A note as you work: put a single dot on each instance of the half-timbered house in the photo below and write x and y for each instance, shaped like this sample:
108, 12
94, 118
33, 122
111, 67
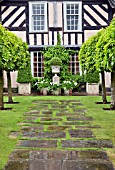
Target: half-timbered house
38, 23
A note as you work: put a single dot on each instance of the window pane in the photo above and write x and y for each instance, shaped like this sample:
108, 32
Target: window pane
68, 6
68, 28
68, 11
42, 11
72, 22
76, 11
42, 23
42, 18
72, 27
38, 28
76, 27
42, 6
72, 6
35, 28
68, 17
76, 6
68, 22
72, 11
42, 27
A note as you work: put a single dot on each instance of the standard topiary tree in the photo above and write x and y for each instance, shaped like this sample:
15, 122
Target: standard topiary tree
20, 57
106, 52
88, 60
13, 55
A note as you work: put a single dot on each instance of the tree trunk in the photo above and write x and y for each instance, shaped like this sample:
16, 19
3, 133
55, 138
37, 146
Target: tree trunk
113, 90
1, 90
104, 98
9, 88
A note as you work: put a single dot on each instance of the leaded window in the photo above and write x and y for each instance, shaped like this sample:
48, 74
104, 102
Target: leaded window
38, 17
72, 16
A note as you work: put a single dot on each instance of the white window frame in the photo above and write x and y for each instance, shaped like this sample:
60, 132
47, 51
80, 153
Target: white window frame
37, 62
80, 16
31, 29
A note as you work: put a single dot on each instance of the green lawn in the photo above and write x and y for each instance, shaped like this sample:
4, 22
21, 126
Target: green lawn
10, 121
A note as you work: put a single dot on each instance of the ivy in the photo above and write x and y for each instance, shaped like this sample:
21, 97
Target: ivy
59, 52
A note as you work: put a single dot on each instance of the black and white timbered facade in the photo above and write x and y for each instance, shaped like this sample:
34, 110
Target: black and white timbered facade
39, 21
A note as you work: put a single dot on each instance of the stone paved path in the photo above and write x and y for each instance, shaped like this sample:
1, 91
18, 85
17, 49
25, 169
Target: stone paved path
56, 135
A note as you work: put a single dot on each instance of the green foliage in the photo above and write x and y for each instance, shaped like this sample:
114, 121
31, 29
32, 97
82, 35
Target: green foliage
100, 51
55, 61
54, 86
87, 53
34, 82
13, 51
66, 85
24, 75
92, 77
106, 48
78, 82
43, 83
58, 39
59, 52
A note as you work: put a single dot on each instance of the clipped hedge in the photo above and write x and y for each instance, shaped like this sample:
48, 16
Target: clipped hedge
24, 75
92, 77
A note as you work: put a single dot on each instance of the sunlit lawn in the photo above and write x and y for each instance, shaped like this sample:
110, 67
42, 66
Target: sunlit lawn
10, 121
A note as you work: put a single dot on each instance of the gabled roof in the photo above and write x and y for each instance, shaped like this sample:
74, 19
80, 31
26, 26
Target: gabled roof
112, 3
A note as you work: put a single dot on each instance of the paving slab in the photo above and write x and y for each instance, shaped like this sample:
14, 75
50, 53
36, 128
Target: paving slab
38, 143
81, 133
35, 128
58, 128
17, 165
79, 117
86, 165
44, 135
87, 144
45, 164
76, 123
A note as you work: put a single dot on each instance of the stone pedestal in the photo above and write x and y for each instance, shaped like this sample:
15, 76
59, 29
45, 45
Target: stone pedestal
92, 89
24, 88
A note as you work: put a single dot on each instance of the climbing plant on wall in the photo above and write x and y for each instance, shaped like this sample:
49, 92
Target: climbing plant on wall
60, 52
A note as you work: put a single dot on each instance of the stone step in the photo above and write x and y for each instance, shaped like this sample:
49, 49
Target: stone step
59, 160
20, 154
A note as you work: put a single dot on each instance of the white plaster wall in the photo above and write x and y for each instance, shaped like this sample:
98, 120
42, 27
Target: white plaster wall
21, 34
13, 79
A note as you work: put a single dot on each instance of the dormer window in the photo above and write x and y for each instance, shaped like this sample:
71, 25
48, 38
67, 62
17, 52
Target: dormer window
73, 16
37, 16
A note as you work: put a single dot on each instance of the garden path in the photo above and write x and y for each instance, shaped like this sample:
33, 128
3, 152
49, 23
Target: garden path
57, 135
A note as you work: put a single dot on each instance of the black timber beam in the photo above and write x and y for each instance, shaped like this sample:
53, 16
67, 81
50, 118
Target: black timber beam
94, 27
40, 48
101, 1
